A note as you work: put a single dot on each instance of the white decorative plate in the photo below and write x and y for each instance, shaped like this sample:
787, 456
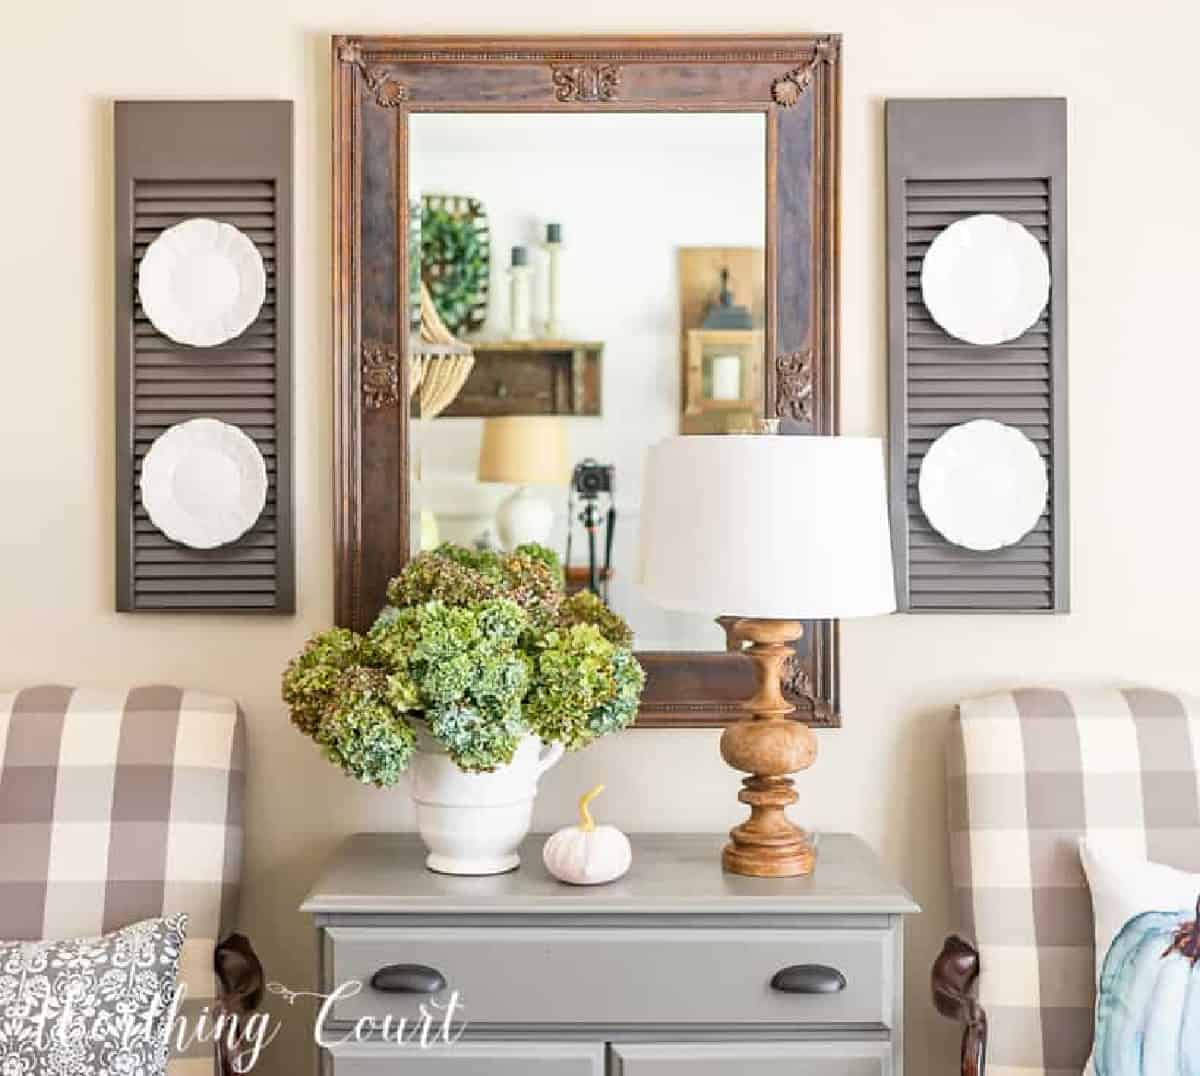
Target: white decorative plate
202, 282
985, 279
983, 485
204, 483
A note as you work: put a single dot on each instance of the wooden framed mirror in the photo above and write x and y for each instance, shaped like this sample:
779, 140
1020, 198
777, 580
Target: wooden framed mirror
640, 149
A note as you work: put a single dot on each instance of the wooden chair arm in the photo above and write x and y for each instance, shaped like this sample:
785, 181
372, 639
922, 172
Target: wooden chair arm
240, 974
954, 981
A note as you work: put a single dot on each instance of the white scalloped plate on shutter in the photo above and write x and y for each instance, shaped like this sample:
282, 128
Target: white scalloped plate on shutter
983, 485
202, 282
204, 483
985, 279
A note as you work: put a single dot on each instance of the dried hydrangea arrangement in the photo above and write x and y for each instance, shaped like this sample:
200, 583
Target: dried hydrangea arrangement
475, 650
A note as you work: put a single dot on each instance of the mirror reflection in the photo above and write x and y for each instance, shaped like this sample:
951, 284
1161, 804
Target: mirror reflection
582, 286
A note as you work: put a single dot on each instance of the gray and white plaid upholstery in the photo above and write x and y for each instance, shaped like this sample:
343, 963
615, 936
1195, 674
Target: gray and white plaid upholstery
118, 806
1029, 773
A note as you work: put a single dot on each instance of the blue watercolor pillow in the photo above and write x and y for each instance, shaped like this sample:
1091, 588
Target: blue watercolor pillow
1147, 964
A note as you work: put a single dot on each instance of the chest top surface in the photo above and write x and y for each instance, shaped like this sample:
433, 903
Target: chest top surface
384, 873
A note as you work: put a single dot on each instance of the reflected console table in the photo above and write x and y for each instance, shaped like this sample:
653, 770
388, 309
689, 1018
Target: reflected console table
678, 969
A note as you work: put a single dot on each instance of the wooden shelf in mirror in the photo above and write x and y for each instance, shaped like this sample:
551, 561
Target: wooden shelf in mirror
531, 377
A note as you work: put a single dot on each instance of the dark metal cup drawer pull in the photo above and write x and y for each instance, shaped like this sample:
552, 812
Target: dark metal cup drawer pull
408, 979
808, 979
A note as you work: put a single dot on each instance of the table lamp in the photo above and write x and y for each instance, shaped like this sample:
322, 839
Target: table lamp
524, 450
774, 530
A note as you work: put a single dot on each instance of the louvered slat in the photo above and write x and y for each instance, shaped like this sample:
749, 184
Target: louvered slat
183, 599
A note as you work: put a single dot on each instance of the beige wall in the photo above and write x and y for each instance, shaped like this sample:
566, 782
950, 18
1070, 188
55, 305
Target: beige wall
1129, 72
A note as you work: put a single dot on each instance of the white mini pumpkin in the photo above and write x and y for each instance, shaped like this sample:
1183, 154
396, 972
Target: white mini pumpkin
587, 854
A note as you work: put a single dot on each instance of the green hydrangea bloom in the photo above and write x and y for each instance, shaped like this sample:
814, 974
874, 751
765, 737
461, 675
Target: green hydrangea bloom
433, 576
403, 693
463, 667
311, 678
484, 561
362, 733
619, 711
537, 551
464, 577
533, 585
478, 740
584, 607
582, 685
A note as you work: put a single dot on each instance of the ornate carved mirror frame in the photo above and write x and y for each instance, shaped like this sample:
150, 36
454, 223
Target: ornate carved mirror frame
793, 81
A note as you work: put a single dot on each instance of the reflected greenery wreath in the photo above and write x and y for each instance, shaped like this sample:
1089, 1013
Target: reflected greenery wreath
455, 263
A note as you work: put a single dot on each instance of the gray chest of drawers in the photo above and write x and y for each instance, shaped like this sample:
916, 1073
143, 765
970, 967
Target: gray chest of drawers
678, 969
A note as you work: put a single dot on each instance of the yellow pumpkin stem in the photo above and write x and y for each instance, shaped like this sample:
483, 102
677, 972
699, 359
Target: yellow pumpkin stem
585, 817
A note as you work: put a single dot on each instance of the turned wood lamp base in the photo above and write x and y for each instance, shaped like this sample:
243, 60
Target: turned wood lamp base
768, 746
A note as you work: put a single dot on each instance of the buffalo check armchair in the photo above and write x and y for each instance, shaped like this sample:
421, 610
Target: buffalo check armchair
117, 806
1030, 772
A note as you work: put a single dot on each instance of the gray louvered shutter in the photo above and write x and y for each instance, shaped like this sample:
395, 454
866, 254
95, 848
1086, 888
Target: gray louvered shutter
245, 382
948, 160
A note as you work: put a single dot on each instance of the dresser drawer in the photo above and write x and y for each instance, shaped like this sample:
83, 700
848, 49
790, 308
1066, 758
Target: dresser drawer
515, 975
469, 1059
782, 1059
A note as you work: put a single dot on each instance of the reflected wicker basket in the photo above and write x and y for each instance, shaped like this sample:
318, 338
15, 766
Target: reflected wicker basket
439, 364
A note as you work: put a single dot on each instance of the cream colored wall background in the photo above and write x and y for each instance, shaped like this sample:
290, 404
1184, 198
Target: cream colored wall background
1129, 72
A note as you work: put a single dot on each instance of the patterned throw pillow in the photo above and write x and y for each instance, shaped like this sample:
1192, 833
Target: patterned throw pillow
1147, 964
99, 1006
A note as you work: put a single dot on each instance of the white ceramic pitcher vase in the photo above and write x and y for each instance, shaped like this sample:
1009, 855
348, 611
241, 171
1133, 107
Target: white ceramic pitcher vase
472, 823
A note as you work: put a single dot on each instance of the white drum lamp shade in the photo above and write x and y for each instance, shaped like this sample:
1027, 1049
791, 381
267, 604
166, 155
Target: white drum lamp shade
768, 527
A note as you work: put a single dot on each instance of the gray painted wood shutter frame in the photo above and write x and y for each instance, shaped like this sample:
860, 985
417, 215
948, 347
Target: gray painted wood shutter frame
229, 161
949, 159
